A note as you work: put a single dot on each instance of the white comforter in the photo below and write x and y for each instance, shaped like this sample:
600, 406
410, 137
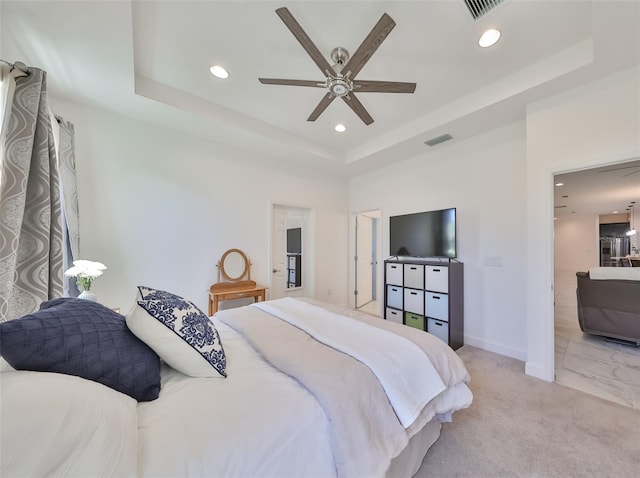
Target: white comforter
60, 425
408, 377
258, 422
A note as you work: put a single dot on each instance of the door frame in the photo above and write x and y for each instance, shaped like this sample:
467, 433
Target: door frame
378, 266
359, 284
549, 368
308, 260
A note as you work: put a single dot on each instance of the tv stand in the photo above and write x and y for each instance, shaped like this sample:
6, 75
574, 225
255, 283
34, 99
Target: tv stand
427, 294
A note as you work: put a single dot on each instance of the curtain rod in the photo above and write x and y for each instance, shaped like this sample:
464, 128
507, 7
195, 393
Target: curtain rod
18, 65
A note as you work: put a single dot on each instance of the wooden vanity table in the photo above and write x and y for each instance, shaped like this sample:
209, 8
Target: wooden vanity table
235, 269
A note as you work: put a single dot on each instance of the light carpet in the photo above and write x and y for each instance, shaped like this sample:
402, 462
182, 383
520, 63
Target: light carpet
519, 426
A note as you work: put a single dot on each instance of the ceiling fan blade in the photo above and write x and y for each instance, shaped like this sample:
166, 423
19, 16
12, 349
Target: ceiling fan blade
358, 108
368, 47
363, 86
278, 81
305, 41
324, 102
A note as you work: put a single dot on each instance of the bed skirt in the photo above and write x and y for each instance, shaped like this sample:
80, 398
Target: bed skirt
409, 461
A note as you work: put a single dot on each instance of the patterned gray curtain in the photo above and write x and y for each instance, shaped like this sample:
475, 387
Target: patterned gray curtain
70, 212
30, 212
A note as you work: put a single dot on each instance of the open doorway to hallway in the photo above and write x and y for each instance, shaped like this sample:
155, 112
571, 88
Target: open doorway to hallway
585, 362
367, 254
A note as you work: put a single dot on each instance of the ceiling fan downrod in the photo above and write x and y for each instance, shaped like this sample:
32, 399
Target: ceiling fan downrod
340, 56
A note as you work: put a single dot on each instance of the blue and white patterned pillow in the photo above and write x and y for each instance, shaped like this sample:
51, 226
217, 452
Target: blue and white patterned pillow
179, 332
148, 293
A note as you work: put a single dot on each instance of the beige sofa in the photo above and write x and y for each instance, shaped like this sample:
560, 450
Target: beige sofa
609, 302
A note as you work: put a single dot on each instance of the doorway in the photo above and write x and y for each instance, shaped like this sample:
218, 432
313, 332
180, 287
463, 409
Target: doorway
584, 362
366, 261
292, 251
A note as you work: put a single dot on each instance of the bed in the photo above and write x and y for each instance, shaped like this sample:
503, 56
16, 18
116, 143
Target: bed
284, 400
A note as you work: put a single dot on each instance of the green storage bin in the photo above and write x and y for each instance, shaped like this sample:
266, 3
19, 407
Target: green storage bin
414, 320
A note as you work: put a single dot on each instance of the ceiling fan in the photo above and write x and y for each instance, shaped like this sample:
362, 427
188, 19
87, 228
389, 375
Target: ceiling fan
340, 78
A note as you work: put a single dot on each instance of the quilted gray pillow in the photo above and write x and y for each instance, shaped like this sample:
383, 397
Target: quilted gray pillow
86, 339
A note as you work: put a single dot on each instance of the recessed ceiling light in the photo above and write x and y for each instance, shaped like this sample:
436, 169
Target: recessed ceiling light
559, 184
614, 212
219, 72
489, 38
340, 128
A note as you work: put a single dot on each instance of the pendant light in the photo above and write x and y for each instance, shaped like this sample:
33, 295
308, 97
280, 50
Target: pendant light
631, 231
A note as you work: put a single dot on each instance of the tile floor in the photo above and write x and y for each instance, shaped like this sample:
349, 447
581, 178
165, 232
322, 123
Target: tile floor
589, 363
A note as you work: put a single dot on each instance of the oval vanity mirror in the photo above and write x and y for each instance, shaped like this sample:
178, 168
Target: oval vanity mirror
234, 265
234, 281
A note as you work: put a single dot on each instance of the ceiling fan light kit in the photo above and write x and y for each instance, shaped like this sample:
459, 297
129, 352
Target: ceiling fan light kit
340, 79
632, 230
339, 86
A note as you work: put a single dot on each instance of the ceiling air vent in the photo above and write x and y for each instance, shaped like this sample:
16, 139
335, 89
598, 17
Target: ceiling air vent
477, 8
438, 139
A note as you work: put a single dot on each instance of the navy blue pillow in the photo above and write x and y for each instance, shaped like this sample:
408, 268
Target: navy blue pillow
83, 338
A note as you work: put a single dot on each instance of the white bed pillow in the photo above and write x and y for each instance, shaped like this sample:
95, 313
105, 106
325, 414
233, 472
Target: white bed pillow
180, 333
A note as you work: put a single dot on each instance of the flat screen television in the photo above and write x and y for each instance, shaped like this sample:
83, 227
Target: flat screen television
424, 234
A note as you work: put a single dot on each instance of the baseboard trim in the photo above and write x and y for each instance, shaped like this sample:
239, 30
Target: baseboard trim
537, 371
497, 348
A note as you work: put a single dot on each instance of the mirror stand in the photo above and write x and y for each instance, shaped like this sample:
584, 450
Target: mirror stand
235, 268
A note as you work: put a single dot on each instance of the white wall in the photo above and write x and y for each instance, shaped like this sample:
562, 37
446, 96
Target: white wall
576, 241
596, 124
160, 208
484, 178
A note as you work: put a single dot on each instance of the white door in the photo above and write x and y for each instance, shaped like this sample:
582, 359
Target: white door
364, 260
278, 254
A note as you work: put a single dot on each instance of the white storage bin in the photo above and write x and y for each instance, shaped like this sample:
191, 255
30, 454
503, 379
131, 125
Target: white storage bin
414, 276
292, 262
394, 273
394, 296
436, 278
414, 301
436, 306
439, 329
393, 315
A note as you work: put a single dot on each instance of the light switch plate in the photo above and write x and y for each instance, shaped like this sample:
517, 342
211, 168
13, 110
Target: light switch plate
493, 261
